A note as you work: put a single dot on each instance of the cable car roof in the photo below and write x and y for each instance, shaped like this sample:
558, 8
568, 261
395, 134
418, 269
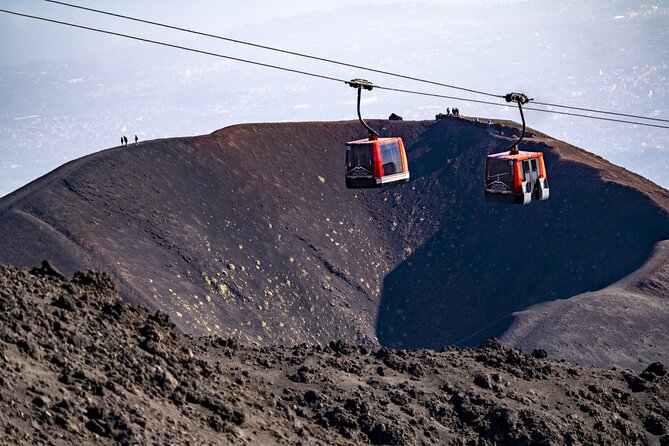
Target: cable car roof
367, 141
517, 156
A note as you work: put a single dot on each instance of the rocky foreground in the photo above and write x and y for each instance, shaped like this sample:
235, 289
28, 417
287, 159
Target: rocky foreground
77, 366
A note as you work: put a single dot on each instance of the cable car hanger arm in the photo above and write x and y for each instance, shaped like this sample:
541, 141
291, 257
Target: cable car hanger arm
520, 99
360, 84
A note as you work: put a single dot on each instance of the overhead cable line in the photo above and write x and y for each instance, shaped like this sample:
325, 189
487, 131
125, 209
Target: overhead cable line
601, 118
307, 73
171, 45
269, 48
592, 110
336, 62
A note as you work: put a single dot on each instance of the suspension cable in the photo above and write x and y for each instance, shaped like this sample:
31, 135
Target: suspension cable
265, 47
316, 75
600, 118
337, 62
171, 45
593, 110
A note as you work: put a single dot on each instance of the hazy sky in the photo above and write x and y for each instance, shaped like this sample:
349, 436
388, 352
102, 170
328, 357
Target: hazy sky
33, 40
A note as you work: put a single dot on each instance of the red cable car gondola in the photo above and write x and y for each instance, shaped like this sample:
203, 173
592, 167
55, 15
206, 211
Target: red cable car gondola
374, 161
513, 176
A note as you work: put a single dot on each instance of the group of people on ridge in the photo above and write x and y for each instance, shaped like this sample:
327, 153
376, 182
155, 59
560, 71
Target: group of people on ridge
124, 140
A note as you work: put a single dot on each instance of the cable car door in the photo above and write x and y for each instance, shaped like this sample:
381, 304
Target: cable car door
528, 183
534, 176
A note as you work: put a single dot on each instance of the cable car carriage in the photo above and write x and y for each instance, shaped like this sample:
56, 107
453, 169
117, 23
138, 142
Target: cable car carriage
373, 161
514, 176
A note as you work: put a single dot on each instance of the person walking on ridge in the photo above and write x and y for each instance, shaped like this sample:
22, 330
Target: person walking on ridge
136, 139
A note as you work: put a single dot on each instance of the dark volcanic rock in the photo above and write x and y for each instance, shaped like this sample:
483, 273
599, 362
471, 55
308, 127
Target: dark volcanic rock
107, 387
46, 270
539, 353
653, 371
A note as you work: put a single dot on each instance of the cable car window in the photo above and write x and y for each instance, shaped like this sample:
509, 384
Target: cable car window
526, 170
534, 164
359, 155
499, 170
391, 158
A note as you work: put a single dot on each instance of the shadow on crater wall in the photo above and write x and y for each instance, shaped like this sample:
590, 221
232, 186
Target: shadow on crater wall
487, 260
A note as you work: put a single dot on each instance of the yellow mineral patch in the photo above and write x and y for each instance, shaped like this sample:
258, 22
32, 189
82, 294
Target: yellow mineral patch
223, 288
321, 179
179, 314
208, 297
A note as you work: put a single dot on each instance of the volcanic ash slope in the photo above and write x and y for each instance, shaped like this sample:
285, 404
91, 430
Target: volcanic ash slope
250, 232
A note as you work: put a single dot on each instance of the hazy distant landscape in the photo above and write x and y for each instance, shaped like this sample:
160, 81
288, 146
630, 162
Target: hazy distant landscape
608, 55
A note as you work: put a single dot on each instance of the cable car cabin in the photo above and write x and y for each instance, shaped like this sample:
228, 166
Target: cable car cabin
516, 178
375, 162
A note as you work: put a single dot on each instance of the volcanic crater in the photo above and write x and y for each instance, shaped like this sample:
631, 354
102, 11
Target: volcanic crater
250, 233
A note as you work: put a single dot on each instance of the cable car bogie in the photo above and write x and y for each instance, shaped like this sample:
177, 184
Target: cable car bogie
513, 176
374, 162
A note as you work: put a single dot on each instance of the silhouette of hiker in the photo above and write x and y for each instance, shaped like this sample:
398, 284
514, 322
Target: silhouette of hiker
448, 111
125, 140
136, 139
121, 140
